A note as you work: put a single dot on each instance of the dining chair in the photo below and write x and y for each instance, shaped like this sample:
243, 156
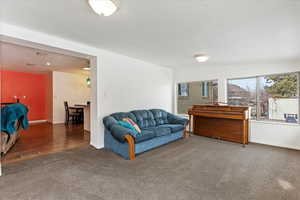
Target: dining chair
71, 114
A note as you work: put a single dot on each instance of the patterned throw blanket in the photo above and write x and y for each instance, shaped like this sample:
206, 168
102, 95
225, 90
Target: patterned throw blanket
11, 113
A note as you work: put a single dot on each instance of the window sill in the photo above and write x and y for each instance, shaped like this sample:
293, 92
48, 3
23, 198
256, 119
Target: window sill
275, 123
257, 121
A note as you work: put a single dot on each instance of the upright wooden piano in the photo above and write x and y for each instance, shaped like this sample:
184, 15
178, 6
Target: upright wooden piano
222, 122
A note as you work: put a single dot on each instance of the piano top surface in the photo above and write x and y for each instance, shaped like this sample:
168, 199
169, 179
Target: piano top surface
218, 110
219, 107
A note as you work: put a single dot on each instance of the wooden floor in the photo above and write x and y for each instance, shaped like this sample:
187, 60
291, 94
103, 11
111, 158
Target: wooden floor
45, 138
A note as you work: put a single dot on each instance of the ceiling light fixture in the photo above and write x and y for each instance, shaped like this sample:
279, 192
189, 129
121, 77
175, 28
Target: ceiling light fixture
86, 68
88, 82
48, 63
201, 57
103, 7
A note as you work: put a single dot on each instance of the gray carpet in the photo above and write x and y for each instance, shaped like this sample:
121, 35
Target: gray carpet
196, 168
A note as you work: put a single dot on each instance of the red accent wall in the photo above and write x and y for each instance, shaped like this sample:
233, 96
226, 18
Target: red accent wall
29, 88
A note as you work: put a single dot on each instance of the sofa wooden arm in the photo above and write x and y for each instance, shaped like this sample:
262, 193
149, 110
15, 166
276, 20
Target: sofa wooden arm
131, 144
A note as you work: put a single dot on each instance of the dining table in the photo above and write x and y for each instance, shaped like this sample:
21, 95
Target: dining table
85, 110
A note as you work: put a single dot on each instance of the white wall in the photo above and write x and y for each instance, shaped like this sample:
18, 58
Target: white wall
68, 87
276, 134
119, 83
132, 84
272, 133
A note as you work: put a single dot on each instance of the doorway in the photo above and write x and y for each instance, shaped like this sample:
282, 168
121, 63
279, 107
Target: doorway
48, 130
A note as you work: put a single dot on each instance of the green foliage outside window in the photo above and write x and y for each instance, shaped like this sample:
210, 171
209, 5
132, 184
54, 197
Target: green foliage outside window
282, 85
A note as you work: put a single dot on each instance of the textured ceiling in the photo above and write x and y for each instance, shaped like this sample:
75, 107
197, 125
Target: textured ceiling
169, 32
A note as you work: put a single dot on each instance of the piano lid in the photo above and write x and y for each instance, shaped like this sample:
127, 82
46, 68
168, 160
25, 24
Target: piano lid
219, 108
216, 111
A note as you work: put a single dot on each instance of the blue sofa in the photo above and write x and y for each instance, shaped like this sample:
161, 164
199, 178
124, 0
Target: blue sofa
158, 127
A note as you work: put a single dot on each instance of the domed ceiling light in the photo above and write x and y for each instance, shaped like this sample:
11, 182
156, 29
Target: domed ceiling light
103, 7
201, 57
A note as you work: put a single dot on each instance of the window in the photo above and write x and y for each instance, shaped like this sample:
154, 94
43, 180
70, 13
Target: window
195, 93
242, 92
272, 97
183, 89
205, 88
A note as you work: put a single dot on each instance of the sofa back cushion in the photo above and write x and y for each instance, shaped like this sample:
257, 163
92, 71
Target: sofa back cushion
144, 118
160, 116
121, 115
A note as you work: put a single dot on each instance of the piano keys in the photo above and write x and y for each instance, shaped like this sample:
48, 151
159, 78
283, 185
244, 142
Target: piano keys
230, 123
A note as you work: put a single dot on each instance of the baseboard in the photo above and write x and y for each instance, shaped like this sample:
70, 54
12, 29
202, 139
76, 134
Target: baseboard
278, 146
58, 122
37, 121
97, 146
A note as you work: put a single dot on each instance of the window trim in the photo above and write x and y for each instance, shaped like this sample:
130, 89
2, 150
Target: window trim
273, 122
258, 117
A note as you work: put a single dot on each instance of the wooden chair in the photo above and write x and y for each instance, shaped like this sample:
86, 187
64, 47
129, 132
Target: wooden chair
71, 114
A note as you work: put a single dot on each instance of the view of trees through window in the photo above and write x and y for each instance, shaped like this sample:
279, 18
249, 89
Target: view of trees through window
196, 93
273, 97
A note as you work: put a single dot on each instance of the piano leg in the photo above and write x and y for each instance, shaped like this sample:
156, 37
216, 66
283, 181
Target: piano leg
190, 125
245, 132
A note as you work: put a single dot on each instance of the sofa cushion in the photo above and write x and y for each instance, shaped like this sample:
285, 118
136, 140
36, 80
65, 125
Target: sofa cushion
174, 119
145, 135
160, 131
144, 118
174, 127
160, 116
121, 115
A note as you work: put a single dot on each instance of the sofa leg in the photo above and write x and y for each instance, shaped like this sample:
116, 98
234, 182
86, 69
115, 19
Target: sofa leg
185, 133
131, 144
